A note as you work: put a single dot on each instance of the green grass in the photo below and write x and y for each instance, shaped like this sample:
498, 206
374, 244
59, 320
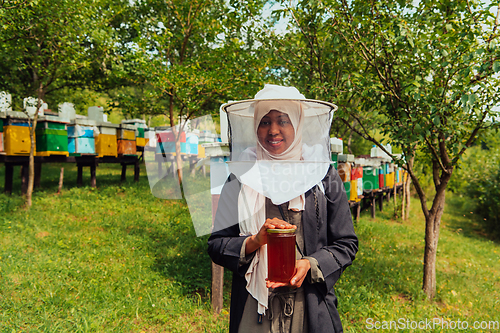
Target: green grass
117, 259
385, 280
110, 259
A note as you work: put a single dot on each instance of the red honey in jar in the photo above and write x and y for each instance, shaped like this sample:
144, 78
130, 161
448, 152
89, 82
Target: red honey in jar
280, 254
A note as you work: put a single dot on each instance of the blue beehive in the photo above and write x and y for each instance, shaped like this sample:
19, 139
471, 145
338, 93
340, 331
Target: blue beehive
192, 142
81, 137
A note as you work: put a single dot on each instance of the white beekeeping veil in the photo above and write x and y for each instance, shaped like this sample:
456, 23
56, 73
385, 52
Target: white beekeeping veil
306, 161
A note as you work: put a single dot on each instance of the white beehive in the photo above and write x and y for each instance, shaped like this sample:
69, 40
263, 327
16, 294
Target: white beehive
336, 145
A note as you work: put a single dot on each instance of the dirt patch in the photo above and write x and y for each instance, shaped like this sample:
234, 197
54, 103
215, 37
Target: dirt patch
402, 298
42, 234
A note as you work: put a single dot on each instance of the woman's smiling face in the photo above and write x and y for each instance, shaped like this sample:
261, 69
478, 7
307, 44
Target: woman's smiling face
275, 132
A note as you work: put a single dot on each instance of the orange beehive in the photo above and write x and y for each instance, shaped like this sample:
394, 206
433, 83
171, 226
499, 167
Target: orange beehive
127, 147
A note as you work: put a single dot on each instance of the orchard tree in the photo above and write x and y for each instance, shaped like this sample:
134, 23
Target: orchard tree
430, 68
46, 44
190, 55
309, 56
425, 74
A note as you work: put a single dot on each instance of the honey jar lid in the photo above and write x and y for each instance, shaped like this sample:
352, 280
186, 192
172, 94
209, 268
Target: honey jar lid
281, 231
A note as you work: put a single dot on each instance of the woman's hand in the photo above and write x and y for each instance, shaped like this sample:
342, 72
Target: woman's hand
303, 266
256, 241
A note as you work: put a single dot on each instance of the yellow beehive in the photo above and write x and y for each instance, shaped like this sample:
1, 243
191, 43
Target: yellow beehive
201, 151
17, 140
353, 195
106, 145
389, 180
124, 134
140, 142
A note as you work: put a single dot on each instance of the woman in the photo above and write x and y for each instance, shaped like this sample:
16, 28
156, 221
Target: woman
316, 206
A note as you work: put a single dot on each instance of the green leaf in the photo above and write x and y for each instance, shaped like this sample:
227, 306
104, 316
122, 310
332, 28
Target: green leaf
464, 99
496, 66
436, 120
472, 99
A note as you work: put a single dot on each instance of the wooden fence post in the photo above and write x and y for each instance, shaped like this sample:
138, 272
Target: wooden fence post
217, 271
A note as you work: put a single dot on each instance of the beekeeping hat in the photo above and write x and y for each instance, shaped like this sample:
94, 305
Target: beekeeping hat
290, 178
315, 129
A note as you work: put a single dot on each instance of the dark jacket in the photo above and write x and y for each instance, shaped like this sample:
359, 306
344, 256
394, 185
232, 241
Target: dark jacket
328, 236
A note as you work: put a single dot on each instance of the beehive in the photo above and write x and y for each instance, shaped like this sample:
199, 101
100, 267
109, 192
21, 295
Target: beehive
149, 133
81, 137
140, 139
166, 142
389, 176
51, 142
344, 170
140, 127
126, 140
106, 143
381, 178
360, 187
192, 141
353, 192
347, 186
126, 147
81, 145
334, 160
16, 135
370, 178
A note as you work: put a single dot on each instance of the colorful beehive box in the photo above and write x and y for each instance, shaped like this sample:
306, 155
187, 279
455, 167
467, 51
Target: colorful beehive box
192, 142
381, 178
344, 170
370, 178
347, 186
389, 180
81, 133
127, 147
149, 133
126, 140
126, 132
140, 127
334, 160
51, 138
81, 145
16, 134
17, 140
389, 175
360, 186
140, 138
106, 143
166, 142
356, 184
353, 193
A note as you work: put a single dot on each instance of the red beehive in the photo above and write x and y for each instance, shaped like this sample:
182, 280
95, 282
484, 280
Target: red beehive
356, 173
169, 136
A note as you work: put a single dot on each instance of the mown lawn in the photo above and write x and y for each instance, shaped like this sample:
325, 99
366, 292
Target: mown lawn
117, 259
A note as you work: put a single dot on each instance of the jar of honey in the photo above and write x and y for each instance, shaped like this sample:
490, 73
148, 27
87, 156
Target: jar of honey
280, 254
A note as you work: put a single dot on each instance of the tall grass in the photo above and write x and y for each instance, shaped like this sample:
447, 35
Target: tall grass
117, 259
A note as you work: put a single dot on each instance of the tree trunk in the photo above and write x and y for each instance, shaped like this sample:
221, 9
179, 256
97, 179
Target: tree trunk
177, 137
432, 225
403, 200
394, 197
31, 165
408, 197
